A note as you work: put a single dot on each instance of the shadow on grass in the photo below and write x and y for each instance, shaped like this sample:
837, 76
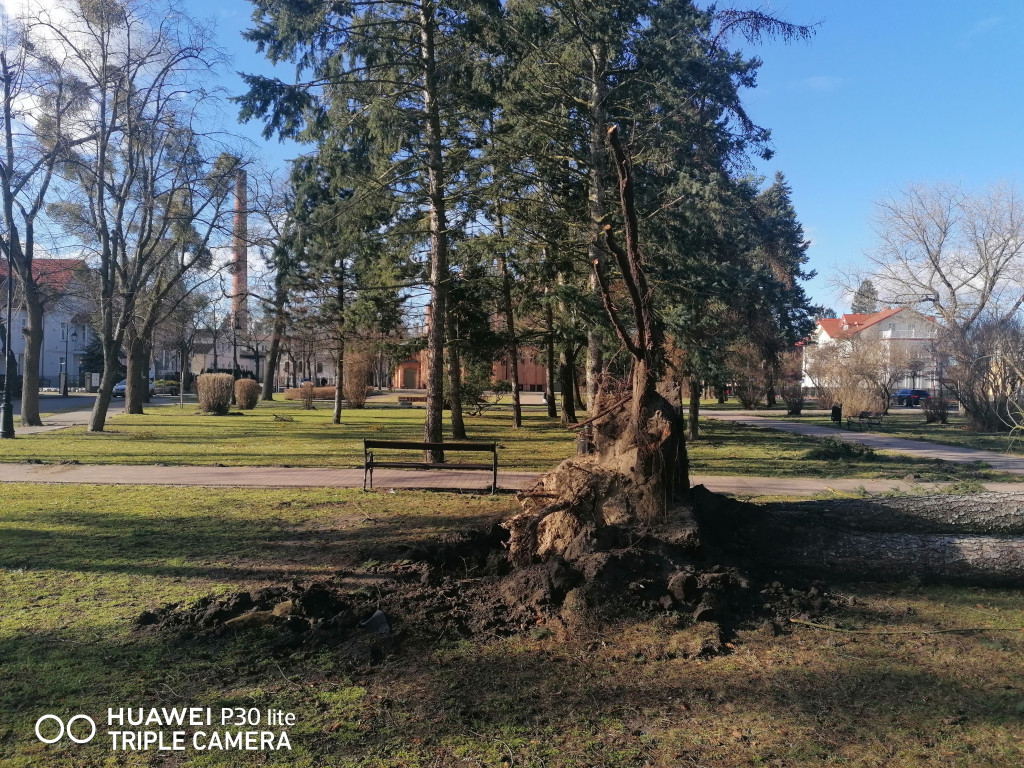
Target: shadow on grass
188, 546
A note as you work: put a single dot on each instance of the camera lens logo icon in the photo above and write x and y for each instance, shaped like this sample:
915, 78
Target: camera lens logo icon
63, 729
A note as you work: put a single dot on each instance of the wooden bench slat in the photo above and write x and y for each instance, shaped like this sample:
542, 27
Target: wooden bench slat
370, 462
411, 446
426, 465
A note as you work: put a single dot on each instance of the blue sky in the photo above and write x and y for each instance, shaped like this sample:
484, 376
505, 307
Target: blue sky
885, 94
230, 18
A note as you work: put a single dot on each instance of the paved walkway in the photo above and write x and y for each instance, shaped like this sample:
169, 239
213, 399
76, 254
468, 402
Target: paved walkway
876, 440
292, 477
78, 408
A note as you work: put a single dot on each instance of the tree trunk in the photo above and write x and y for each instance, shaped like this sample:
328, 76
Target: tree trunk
439, 271
550, 368
98, 418
30, 365
339, 363
136, 377
596, 177
513, 344
951, 539
565, 378
982, 513
694, 420
273, 358
148, 366
339, 389
455, 390
576, 386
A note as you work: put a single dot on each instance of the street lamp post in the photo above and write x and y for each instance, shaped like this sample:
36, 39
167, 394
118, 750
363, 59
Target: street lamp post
67, 362
6, 407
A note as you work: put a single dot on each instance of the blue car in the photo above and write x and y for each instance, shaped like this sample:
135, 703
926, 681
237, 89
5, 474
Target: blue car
122, 386
911, 397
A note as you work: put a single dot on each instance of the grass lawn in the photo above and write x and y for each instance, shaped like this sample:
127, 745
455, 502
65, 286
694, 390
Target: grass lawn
74, 572
909, 423
728, 448
173, 436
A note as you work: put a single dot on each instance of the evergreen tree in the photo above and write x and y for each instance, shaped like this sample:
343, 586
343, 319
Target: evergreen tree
865, 300
403, 71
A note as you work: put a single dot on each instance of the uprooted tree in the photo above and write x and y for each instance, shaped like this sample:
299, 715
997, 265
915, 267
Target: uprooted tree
600, 536
639, 465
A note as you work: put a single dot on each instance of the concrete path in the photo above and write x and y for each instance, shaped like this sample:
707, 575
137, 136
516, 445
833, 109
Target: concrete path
876, 440
57, 412
291, 477
258, 477
78, 407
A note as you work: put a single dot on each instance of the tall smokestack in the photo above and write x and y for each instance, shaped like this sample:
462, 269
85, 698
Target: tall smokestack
240, 265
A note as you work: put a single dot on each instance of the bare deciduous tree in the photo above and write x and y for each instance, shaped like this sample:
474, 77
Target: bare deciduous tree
146, 195
960, 256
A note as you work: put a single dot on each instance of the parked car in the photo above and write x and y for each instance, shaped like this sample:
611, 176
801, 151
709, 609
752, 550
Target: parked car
122, 386
911, 397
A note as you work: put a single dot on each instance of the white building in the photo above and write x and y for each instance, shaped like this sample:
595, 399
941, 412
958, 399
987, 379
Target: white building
903, 328
66, 332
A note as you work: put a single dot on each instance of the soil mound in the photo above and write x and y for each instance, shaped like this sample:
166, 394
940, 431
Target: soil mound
466, 584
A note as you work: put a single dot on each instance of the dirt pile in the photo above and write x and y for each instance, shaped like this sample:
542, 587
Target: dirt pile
466, 584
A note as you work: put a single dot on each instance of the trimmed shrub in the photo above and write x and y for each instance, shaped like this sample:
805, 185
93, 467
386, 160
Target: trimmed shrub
319, 393
247, 393
358, 368
307, 392
215, 392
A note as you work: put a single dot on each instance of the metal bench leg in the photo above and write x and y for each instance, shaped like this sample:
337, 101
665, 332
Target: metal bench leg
494, 482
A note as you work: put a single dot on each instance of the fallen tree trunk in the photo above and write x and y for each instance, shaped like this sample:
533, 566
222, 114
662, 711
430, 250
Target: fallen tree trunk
989, 513
948, 539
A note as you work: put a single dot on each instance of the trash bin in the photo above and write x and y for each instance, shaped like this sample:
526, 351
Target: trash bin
585, 440
837, 414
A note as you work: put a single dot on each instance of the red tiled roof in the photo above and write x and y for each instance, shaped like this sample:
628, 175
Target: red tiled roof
51, 274
848, 325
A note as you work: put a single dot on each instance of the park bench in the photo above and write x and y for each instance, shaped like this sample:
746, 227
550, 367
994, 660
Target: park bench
370, 461
865, 419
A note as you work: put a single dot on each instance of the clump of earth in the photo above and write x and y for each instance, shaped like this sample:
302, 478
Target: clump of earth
465, 585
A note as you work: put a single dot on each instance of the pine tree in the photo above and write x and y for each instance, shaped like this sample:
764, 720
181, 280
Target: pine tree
865, 300
403, 71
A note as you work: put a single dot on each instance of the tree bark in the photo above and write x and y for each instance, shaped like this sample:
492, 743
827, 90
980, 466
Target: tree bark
30, 366
455, 383
98, 417
339, 389
513, 344
439, 272
565, 370
596, 176
136, 379
936, 558
339, 361
273, 359
694, 420
951, 539
550, 339
981, 513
